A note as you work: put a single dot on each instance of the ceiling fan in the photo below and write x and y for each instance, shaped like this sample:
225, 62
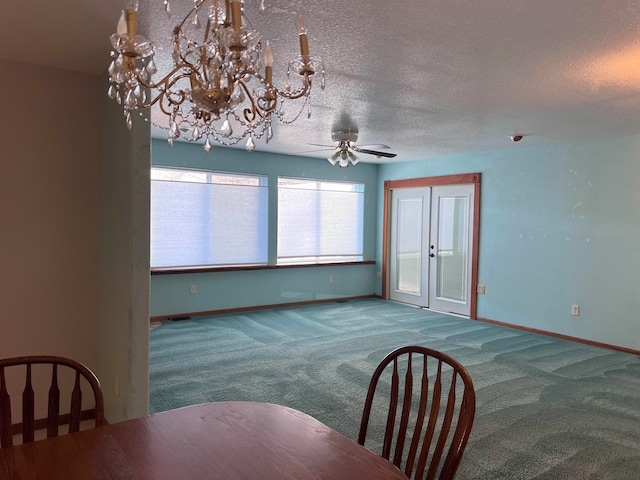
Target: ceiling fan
346, 148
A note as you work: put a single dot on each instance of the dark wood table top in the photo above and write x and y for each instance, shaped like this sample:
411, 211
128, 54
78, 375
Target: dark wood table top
226, 440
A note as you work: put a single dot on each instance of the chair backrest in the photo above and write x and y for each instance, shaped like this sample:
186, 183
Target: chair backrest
441, 411
66, 374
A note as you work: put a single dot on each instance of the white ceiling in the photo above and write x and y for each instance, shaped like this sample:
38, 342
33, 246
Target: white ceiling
427, 77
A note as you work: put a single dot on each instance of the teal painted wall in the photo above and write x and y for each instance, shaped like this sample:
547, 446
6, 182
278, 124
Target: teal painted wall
170, 294
559, 225
215, 291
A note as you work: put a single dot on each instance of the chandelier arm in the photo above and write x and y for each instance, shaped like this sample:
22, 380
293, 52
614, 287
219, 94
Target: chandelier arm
167, 83
170, 102
283, 93
254, 110
298, 93
254, 107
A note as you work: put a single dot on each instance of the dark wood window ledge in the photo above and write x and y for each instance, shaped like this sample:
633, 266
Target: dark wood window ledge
237, 268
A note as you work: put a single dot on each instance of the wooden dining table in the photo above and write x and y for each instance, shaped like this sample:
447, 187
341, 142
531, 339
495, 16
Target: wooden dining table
225, 440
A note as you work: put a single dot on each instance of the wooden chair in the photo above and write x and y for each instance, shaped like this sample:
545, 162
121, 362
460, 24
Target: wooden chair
65, 374
441, 411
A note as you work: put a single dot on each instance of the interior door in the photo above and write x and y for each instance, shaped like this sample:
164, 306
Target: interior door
408, 269
450, 248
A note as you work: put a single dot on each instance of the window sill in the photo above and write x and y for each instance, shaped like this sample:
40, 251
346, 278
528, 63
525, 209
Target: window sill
239, 268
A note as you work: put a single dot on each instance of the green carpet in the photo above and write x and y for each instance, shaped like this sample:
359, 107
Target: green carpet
546, 408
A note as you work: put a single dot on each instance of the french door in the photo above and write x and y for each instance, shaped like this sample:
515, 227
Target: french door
432, 239
450, 249
409, 245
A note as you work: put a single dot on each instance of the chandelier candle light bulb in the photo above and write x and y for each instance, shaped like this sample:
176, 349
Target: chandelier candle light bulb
304, 39
227, 9
268, 63
236, 15
132, 23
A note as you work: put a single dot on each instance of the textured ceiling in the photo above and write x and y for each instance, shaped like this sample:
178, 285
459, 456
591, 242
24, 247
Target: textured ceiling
428, 78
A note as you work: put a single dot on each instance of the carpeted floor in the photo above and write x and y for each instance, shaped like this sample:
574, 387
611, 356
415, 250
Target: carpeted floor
546, 408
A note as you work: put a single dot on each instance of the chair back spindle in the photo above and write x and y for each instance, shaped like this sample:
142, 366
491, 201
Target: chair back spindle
28, 412
76, 405
53, 412
5, 413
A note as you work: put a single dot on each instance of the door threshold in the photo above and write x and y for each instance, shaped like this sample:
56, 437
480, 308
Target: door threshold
445, 313
420, 307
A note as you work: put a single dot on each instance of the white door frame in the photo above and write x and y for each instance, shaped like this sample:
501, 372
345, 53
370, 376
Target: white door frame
470, 178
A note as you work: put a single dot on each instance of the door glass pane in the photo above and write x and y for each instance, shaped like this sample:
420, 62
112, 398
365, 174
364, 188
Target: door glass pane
408, 249
453, 246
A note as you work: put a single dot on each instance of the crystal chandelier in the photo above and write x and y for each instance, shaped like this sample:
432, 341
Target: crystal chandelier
217, 90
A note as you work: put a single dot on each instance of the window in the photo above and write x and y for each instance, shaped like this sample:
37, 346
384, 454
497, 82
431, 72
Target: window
200, 217
319, 221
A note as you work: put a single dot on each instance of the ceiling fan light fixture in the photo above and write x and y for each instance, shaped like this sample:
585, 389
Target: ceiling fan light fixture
333, 159
216, 75
343, 157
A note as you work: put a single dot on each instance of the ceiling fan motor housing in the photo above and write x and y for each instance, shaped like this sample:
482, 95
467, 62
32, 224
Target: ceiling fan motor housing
344, 135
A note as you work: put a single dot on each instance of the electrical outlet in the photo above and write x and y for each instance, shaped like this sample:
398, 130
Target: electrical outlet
481, 289
116, 385
575, 310
193, 290
330, 278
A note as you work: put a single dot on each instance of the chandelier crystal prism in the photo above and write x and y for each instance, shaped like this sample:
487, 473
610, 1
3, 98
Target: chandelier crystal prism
220, 87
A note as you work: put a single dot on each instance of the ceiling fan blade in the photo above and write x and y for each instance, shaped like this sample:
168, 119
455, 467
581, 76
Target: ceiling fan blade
319, 149
322, 145
373, 145
373, 152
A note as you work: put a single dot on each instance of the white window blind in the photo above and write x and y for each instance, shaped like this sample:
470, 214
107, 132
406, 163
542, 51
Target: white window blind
207, 218
319, 221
